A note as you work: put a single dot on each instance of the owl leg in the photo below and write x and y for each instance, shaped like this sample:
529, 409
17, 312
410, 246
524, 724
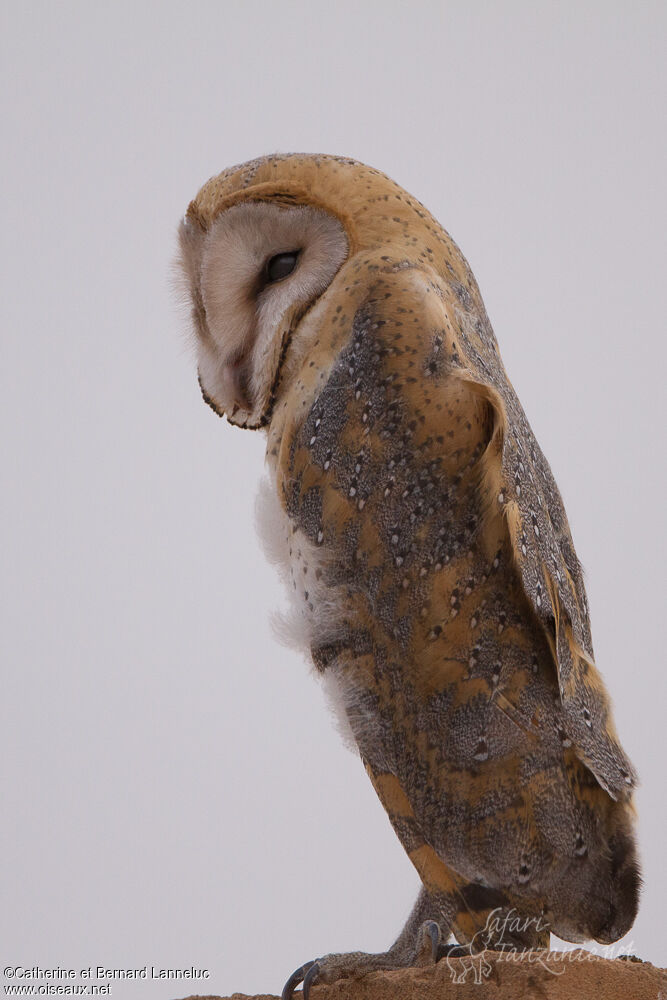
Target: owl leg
421, 942
479, 916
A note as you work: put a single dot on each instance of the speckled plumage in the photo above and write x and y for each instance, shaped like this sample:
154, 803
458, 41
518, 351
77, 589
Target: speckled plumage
433, 567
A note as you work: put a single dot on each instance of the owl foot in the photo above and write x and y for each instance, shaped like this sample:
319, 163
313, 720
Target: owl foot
298, 976
426, 950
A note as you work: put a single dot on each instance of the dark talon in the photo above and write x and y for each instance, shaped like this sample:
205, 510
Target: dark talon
295, 979
434, 934
311, 976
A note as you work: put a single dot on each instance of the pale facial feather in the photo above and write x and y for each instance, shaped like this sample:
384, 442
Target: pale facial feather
240, 323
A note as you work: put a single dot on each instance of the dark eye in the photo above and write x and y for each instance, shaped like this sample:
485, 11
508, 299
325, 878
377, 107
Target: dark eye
281, 265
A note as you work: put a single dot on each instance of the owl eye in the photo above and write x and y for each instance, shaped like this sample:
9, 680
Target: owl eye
281, 265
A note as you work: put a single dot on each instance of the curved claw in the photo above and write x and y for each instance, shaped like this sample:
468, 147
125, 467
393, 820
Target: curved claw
433, 931
297, 976
310, 977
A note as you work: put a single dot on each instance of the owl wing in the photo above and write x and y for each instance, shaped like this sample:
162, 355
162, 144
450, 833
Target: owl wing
517, 479
386, 479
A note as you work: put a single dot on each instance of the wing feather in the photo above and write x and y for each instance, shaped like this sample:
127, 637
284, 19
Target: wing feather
517, 478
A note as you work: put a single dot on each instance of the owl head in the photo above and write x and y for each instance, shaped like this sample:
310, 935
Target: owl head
263, 242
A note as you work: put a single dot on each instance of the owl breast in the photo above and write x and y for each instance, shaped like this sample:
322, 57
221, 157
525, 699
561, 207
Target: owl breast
315, 613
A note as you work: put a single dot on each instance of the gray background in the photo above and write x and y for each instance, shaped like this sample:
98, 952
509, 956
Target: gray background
174, 791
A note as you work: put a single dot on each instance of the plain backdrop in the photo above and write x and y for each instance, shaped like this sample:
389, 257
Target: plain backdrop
174, 791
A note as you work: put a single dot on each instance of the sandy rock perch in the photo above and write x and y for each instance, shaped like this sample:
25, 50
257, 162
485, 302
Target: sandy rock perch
557, 976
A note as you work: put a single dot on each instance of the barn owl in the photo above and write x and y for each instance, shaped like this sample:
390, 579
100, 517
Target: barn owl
424, 542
